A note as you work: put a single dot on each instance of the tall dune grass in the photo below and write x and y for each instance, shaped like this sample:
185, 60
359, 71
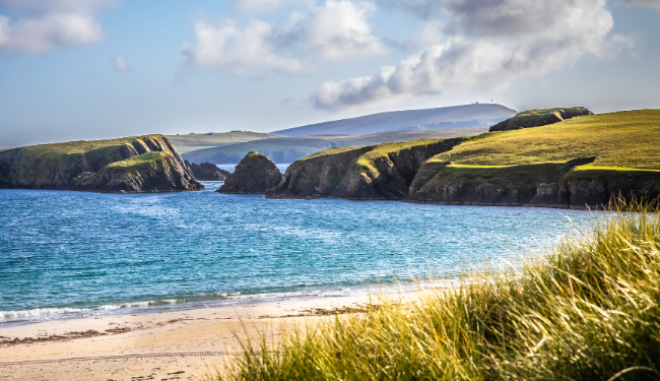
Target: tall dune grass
588, 311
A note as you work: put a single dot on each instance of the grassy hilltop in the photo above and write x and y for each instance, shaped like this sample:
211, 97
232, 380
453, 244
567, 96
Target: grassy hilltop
622, 141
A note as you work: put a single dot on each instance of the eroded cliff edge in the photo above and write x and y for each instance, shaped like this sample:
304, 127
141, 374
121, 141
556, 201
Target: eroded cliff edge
562, 185
380, 172
128, 165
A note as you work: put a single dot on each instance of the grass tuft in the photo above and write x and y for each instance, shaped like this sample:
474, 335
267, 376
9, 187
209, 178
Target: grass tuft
588, 311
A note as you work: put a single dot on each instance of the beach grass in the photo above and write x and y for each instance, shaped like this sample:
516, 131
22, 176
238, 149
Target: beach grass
589, 310
625, 140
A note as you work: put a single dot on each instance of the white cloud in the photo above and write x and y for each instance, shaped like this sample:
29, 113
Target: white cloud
46, 25
121, 63
264, 5
487, 45
339, 30
245, 52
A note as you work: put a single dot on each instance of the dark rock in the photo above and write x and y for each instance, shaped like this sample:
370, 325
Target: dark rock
538, 118
207, 171
255, 174
550, 185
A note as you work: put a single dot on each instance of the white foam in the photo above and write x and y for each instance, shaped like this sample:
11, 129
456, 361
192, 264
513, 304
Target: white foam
39, 312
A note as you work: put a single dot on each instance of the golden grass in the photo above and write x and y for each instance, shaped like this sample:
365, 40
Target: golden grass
622, 140
589, 311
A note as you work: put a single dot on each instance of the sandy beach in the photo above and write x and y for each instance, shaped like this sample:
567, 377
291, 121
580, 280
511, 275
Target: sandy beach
179, 345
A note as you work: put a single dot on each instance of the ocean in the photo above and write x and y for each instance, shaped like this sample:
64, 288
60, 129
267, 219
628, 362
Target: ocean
72, 254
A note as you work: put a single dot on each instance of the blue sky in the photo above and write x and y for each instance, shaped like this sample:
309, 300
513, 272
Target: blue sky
90, 69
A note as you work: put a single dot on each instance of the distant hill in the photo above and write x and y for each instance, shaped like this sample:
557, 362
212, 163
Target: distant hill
191, 142
455, 117
289, 149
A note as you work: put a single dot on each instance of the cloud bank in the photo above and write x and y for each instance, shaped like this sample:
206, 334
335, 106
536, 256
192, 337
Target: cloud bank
242, 51
336, 31
339, 30
486, 44
46, 25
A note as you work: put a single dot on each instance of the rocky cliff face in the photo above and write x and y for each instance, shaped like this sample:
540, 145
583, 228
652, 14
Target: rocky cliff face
207, 171
381, 172
550, 185
128, 165
253, 175
537, 118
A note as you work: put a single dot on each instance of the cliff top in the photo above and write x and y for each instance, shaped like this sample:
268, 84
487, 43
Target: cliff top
550, 111
621, 140
83, 146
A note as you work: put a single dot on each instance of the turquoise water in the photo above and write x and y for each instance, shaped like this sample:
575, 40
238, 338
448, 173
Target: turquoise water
69, 254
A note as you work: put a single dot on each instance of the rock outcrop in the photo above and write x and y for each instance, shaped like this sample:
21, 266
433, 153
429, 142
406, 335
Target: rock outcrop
549, 185
253, 175
380, 172
207, 171
538, 118
128, 165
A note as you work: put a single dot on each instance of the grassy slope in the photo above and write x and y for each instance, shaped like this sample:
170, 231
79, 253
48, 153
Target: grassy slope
385, 149
56, 151
589, 311
621, 141
191, 142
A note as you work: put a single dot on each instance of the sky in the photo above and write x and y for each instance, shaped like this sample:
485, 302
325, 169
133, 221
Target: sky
97, 69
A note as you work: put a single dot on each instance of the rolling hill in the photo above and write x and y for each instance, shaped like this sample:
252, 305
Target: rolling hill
191, 142
290, 149
455, 117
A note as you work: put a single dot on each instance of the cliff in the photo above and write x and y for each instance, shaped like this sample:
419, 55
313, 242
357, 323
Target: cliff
253, 175
207, 171
380, 172
584, 161
537, 118
550, 185
127, 165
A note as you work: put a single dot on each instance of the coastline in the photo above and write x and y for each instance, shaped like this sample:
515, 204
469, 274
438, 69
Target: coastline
155, 345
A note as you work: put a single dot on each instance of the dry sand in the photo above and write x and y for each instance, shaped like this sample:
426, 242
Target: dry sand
155, 346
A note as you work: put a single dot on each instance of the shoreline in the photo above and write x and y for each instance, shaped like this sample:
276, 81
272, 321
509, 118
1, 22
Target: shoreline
157, 344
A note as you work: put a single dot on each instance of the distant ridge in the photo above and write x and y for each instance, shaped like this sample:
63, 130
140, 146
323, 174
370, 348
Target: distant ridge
466, 116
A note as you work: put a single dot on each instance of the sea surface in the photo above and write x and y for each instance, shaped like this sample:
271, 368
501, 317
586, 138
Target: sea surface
70, 254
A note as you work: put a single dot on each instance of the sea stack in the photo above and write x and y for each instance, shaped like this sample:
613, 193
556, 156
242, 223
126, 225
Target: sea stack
255, 174
207, 171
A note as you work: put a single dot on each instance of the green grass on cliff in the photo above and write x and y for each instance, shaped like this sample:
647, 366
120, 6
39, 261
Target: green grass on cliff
382, 150
83, 146
588, 311
622, 141
545, 111
148, 159
375, 152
